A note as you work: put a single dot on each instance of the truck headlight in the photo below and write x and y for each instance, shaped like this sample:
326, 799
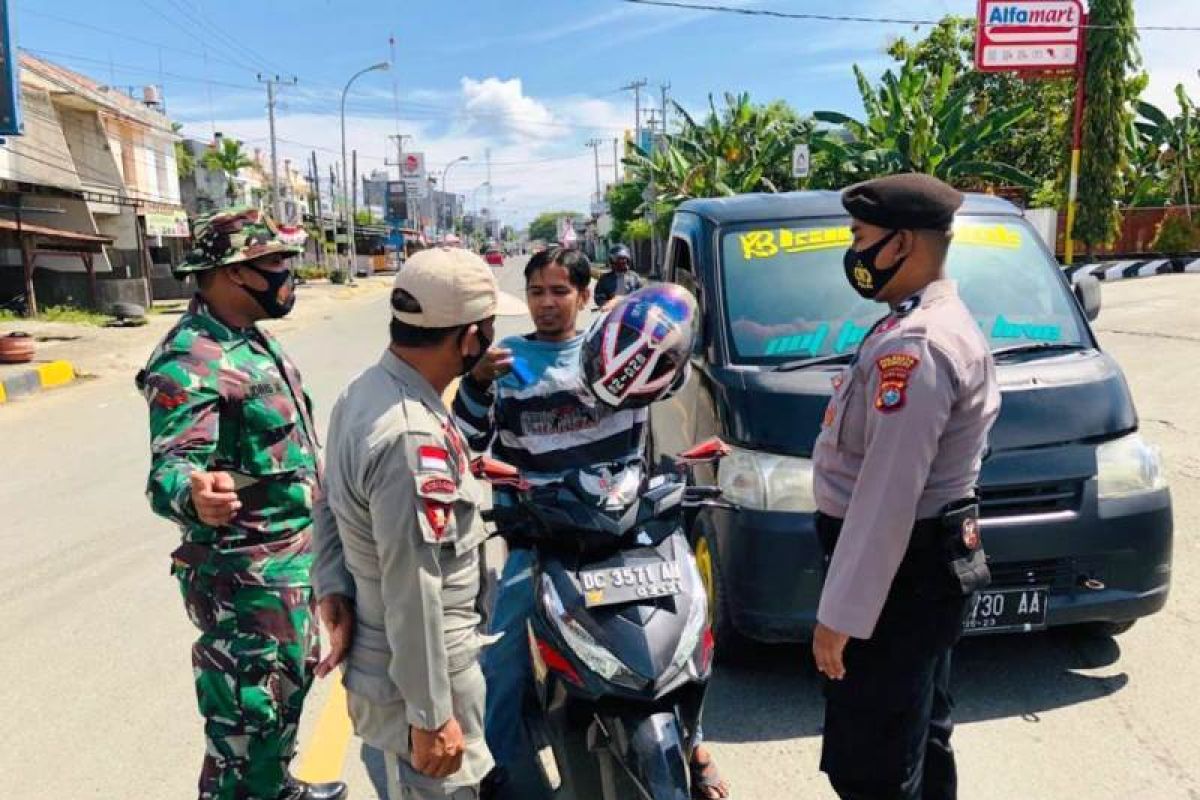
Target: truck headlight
1128, 466
767, 482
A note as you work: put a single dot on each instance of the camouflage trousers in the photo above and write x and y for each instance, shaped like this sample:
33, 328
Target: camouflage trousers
253, 665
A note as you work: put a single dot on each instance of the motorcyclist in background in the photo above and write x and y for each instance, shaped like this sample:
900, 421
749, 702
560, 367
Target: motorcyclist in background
620, 279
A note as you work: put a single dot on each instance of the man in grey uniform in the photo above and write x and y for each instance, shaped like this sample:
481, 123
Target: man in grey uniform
408, 520
896, 467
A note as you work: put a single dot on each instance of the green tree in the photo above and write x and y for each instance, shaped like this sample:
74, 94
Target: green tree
624, 200
1037, 145
920, 121
545, 225
185, 163
1111, 56
229, 159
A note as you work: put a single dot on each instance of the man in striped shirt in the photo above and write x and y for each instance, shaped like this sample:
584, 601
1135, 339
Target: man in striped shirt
527, 401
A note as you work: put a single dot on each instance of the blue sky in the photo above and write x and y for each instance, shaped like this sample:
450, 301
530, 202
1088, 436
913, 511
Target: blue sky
531, 81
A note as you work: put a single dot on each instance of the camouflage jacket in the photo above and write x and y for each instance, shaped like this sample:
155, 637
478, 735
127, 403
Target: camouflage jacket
228, 399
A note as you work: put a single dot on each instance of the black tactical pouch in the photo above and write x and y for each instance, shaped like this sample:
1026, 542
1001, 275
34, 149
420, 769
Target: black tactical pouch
962, 544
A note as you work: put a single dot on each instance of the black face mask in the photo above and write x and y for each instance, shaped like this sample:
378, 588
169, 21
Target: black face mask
268, 298
470, 361
866, 278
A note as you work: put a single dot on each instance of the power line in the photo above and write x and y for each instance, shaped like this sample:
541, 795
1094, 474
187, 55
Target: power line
125, 36
764, 12
187, 8
130, 69
174, 23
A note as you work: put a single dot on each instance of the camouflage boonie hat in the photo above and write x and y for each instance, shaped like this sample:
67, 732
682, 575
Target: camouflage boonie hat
232, 236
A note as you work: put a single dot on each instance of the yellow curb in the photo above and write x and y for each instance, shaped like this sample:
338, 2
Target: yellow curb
56, 373
325, 756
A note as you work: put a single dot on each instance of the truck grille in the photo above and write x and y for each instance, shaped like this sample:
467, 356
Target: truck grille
1041, 498
1055, 573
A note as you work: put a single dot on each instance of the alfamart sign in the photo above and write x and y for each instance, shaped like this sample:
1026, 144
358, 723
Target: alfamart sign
1029, 35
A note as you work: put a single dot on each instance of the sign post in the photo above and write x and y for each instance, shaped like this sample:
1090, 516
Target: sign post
1032, 38
800, 161
11, 123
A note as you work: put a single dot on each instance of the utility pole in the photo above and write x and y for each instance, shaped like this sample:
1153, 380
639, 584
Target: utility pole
276, 207
335, 208
664, 88
654, 248
595, 145
353, 215
637, 87
316, 207
616, 161
487, 155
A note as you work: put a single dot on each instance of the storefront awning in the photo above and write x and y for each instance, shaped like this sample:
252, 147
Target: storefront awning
58, 237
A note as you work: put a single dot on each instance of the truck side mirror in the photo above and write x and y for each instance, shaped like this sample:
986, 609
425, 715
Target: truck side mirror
1087, 291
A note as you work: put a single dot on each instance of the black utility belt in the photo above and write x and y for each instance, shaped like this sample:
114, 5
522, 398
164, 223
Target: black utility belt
953, 537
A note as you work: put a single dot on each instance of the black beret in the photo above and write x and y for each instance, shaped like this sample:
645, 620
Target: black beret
904, 202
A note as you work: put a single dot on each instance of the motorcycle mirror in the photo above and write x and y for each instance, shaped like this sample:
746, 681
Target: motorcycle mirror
498, 473
708, 451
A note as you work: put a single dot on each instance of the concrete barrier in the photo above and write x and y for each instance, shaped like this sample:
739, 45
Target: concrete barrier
36, 379
1142, 268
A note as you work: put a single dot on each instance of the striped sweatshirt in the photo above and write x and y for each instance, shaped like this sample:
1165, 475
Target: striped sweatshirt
549, 424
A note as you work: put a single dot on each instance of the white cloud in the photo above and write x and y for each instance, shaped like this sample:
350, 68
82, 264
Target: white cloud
539, 160
501, 108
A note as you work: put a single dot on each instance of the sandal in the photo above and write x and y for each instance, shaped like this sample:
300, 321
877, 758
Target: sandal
707, 783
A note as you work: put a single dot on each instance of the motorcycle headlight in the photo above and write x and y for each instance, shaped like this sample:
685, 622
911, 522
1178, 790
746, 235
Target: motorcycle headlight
767, 482
1128, 466
594, 655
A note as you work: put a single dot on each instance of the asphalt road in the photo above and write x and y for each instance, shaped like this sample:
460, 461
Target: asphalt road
97, 698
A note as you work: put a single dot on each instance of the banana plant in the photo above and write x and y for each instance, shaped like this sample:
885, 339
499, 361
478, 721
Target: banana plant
1166, 152
918, 121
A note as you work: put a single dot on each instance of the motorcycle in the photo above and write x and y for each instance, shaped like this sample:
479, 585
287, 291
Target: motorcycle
619, 639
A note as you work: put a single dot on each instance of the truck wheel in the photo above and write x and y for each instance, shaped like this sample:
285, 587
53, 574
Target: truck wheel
732, 647
1105, 630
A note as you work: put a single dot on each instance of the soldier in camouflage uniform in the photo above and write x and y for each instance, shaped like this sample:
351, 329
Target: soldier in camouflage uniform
234, 463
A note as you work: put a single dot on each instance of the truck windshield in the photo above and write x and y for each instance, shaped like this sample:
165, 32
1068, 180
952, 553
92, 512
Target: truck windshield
786, 295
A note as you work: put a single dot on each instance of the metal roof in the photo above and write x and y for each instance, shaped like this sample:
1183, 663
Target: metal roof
792, 205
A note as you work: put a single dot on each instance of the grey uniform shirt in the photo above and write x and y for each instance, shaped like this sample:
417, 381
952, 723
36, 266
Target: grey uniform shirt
406, 515
903, 435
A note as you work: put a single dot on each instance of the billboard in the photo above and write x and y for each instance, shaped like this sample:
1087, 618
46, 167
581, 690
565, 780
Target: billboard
396, 208
412, 166
1029, 35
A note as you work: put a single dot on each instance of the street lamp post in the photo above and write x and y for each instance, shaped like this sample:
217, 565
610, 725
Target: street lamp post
446, 188
381, 66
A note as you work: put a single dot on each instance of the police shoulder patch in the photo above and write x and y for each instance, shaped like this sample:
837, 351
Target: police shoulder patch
895, 369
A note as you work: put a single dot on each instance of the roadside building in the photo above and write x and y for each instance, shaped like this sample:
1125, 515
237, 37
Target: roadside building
89, 194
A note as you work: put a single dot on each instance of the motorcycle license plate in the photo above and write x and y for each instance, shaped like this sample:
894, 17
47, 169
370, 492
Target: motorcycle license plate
1001, 610
628, 584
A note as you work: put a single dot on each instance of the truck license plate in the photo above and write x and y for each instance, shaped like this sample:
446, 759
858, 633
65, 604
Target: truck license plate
998, 610
628, 584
